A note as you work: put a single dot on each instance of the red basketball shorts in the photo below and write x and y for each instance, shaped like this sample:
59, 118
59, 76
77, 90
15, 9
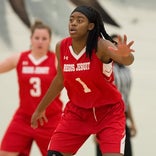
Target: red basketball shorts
20, 135
77, 124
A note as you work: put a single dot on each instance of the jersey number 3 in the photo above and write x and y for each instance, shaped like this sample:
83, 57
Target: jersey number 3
36, 86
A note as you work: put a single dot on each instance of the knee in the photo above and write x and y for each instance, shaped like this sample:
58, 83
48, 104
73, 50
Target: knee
54, 153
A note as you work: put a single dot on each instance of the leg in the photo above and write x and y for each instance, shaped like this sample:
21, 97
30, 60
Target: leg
111, 137
5, 153
43, 136
71, 132
128, 148
16, 140
51, 153
98, 151
67, 144
56, 153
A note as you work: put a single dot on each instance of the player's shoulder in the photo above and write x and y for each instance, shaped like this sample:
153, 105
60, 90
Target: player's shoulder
51, 54
64, 43
66, 40
24, 53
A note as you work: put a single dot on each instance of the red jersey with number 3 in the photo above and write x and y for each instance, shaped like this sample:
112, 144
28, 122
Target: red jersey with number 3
34, 78
89, 82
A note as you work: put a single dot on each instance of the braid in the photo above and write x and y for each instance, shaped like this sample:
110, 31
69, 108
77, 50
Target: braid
92, 39
93, 34
98, 31
103, 32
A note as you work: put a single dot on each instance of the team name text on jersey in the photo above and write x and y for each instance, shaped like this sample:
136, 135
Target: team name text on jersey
76, 67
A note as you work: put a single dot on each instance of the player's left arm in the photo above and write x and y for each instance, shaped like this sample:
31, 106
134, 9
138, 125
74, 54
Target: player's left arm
9, 63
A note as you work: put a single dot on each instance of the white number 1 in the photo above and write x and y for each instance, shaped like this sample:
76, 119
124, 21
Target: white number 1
85, 87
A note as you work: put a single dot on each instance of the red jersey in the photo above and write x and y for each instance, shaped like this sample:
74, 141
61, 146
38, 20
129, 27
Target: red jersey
89, 82
34, 78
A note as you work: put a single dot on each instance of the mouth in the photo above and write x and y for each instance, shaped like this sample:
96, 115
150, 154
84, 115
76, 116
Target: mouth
72, 31
39, 47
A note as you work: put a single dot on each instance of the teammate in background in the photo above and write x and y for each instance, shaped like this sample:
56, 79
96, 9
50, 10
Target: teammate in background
35, 69
85, 68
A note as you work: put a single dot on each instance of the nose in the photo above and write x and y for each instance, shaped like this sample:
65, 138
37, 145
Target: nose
74, 22
40, 40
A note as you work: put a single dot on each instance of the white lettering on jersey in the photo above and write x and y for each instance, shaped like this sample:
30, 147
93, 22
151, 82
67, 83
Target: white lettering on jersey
69, 67
41, 70
77, 67
83, 66
35, 70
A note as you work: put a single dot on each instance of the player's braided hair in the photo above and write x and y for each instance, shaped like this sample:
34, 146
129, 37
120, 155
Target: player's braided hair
98, 31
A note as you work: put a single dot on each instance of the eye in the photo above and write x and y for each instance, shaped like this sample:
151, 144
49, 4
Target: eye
44, 38
36, 38
71, 20
79, 20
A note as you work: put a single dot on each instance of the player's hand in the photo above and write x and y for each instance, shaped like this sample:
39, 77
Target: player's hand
133, 130
122, 48
38, 118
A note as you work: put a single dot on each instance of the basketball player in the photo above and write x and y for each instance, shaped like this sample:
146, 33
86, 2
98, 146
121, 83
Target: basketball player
35, 68
95, 105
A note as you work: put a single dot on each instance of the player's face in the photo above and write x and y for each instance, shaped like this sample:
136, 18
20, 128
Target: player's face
79, 25
40, 40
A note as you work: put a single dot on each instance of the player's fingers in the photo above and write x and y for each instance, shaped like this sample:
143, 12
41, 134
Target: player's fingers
130, 44
119, 39
132, 50
34, 124
125, 39
41, 121
45, 118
